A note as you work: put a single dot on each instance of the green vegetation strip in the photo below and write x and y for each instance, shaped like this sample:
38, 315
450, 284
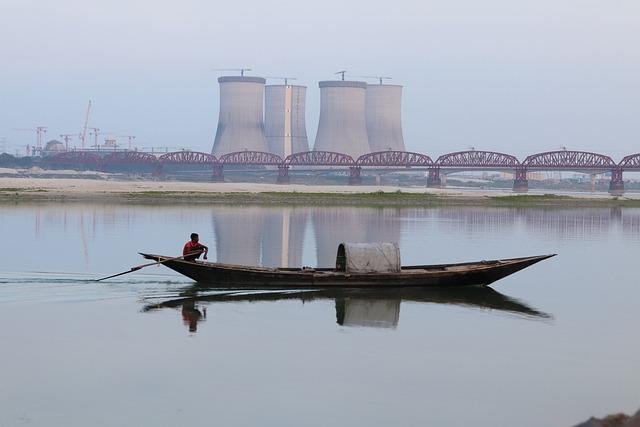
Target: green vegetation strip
378, 199
22, 190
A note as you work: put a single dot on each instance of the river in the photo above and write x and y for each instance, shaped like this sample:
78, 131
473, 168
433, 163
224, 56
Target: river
551, 345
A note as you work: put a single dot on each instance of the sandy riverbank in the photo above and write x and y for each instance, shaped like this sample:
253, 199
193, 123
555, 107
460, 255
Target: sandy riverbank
54, 189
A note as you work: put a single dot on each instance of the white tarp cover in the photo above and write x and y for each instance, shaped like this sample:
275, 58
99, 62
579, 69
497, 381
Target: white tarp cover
369, 257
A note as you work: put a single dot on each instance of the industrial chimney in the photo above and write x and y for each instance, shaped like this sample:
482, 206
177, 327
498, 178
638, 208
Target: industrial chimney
240, 124
342, 127
285, 126
383, 114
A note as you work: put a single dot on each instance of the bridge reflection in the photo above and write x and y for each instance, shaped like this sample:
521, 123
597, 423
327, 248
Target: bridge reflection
589, 223
353, 308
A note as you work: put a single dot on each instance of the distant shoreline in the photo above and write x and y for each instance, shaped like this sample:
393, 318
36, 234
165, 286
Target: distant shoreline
15, 190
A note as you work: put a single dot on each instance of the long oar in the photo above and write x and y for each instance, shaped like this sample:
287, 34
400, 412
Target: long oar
136, 268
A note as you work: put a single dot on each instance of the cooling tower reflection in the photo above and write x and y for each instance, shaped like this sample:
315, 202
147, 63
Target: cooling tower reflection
283, 237
238, 233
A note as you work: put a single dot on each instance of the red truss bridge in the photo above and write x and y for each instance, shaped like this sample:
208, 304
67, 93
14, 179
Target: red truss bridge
187, 158
315, 159
563, 160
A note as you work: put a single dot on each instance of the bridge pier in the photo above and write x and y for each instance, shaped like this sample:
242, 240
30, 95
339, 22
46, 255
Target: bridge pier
521, 183
217, 173
283, 175
158, 171
433, 179
354, 175
616, 186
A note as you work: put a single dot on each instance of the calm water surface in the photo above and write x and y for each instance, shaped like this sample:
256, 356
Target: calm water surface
550, 346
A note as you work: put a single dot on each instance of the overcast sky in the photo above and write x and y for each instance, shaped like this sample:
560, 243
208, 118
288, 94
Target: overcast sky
505, 75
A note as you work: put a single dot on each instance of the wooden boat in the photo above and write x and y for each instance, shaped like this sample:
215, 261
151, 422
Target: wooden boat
481, 273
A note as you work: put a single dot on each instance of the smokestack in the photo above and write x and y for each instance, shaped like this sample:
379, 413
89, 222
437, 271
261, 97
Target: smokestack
342, 127
240, 124
285, 126
383, 114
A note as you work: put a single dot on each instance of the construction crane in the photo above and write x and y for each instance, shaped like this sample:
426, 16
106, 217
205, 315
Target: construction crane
242, 70
286, 79
66, 137
341, 74
94, 132
40, 132
379, 78
83, 133
129, 137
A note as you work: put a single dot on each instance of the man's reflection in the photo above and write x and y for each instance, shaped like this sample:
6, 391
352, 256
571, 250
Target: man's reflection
191, 314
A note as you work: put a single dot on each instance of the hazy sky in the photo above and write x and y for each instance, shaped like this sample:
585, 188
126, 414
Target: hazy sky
506, 75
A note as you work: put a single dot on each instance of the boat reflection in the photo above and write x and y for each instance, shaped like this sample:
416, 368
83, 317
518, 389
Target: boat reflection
354, 307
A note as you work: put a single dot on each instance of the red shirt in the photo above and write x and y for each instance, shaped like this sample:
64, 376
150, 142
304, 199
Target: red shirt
190, 247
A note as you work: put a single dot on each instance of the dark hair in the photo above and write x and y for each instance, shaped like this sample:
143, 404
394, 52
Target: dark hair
194, 235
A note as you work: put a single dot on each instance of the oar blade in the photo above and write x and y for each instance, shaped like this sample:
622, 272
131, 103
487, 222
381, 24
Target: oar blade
116, 275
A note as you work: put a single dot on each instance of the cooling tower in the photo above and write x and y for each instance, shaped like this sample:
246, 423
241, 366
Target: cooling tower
284, 119
384, 123
240, 124
342, 127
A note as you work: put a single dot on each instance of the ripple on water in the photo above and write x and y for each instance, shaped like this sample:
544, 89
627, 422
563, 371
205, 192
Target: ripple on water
76, 287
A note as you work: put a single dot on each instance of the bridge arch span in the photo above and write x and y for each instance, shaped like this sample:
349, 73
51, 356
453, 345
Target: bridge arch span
630, 162
129, 158
318, 158
251, 158
187, 158
568, 160
473, 159
394, 159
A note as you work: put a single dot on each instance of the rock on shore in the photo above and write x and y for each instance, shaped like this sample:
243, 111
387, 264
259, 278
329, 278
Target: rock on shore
615, 420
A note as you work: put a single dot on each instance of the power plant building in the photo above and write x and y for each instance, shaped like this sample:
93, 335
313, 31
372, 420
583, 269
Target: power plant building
240, 123
383, 116
342, 125
285, 126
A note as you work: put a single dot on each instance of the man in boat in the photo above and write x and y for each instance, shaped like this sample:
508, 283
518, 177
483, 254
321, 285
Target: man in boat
195, 248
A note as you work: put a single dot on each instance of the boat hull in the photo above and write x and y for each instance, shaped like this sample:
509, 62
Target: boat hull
446, 275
